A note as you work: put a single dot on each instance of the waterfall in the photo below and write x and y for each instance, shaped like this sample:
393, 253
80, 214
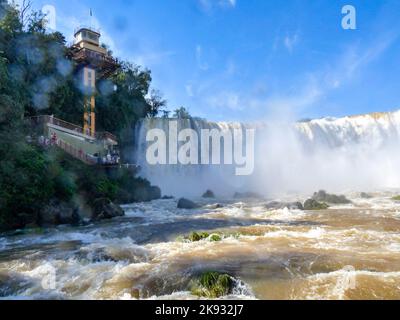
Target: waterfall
338, 154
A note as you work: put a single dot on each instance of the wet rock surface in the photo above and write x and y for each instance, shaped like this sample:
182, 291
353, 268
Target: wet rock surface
323, 196
184, 203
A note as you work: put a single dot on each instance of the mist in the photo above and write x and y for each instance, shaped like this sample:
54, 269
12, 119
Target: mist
339, 155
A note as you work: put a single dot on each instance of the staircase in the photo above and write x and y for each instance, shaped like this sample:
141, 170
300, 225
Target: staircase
72, 139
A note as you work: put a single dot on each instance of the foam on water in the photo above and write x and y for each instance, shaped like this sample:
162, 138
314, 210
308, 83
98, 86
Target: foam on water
346, 153
299, 254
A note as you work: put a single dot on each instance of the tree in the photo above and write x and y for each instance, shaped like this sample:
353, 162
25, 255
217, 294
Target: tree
182, 113
156, 103
119, 109
24, 11
36, 77
165, 114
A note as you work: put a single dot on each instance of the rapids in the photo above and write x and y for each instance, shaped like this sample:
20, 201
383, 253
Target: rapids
345, 252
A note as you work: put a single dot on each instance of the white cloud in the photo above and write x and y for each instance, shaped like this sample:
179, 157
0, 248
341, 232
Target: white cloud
225, 99
208, 5
151, 58
291, 41
189, 90
354, 59
199, 59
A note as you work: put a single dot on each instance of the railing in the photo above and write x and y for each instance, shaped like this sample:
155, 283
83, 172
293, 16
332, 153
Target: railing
45, 120
97, 30
86, 53
78, 154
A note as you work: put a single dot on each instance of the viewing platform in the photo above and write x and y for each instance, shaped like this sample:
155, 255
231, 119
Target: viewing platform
100, 149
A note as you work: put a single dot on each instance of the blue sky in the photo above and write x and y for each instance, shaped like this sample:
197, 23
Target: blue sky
254, 59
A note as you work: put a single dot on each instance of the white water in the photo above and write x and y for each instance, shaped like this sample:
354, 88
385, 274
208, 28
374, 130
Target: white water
348, 252
351, 153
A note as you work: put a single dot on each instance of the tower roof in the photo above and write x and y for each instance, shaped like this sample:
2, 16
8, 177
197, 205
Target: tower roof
87, 28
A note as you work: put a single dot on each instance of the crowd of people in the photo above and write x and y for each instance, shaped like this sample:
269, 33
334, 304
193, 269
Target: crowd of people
111, 158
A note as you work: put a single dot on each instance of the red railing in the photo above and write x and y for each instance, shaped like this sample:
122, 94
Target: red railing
78, 154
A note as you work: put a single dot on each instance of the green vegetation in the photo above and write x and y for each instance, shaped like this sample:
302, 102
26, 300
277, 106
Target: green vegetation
215, 238
396, 198
312, 204
194, 236
36, 78
212, 285
323, 196
182, 113
198, 236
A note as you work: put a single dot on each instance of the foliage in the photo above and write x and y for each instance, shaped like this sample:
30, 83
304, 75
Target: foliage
312, 204
212, 285
396, 198
37, 77
194, 237
198, 236
182, 113
156, 103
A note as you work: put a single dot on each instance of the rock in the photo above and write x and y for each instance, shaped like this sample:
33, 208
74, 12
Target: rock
212, 285
396, 198
214, 206
215, 238
20, 221
139, 193
167, 198
247, 195
323, 196
187, 204
275, 205
104, 209
154, 193
195, 237
312, 204
73, 219
135, 293
209, 194
364, 195
59, 213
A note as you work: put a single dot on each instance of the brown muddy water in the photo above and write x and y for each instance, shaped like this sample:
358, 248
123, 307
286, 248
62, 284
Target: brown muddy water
345, 252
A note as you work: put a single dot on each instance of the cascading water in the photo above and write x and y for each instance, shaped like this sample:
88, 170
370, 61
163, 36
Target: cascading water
337, 154
348, 251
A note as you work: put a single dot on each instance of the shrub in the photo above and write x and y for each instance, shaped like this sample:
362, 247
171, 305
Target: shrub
212, 285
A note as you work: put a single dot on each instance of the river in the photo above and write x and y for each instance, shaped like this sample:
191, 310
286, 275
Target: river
346, 252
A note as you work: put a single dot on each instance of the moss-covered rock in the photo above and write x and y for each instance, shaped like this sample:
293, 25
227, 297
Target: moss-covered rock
194, 236
312, 204
105, 209
215, 238
212, 285
396, 198
199, 236
323, 196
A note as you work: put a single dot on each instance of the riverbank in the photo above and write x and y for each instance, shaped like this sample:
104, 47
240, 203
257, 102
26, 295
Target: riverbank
78, 194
